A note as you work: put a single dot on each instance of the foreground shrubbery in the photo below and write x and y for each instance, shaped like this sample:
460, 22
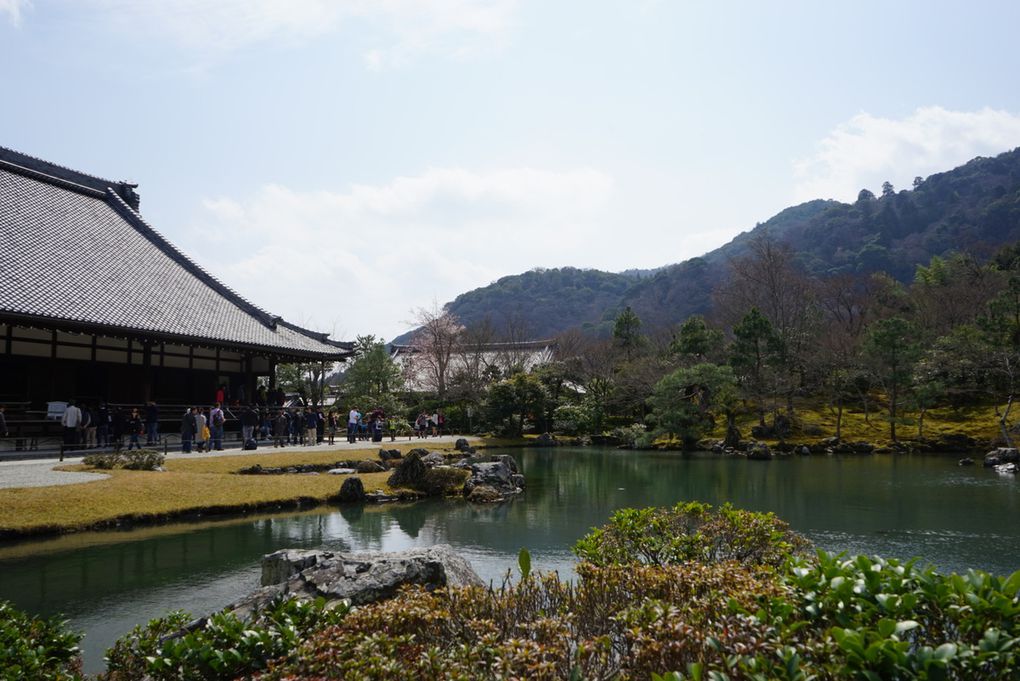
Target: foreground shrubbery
691, 592
36, 648
226, 647
132, 460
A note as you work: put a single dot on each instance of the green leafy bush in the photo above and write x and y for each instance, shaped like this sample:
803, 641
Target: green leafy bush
224, 647
37, 648
690, 531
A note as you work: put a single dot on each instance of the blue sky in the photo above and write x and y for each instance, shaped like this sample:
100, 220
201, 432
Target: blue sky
342, 162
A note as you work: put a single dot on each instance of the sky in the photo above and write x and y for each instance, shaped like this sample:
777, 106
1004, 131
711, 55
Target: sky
343, 163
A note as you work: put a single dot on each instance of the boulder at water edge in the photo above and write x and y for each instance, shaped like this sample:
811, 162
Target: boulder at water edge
356, 577
501, 474
351, 491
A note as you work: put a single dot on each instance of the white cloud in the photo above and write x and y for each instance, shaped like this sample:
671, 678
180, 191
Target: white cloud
13, 10
394, 30
368, 255
868, 150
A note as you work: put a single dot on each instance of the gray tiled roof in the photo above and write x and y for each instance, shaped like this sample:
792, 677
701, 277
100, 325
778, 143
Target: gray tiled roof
71, 250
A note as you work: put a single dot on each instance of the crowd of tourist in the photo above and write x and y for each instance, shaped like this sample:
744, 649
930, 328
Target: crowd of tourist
100, 426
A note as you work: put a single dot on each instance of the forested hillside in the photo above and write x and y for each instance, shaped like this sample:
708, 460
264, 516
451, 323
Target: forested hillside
973, 208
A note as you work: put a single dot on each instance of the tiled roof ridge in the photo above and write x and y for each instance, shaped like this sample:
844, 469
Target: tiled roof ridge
135, 219
57, 171
114, 194
162, 243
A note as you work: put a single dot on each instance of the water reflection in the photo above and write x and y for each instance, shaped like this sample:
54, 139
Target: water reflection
897, 506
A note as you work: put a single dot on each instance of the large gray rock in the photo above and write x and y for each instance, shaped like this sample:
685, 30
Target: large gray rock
356, 577
433, 459
501, 475
1001, 455
368, 466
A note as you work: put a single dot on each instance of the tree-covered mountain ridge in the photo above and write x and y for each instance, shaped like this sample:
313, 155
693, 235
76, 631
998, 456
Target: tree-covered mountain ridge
974, 208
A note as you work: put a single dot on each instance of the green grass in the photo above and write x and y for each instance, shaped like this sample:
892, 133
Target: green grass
187, 485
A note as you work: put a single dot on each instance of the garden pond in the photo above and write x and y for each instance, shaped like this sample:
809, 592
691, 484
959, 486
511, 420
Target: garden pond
897, 506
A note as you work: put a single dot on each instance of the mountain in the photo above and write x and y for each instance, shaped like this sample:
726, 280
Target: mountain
974, 208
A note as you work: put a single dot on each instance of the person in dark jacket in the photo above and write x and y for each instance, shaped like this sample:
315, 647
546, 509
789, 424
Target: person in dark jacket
151, 423
117, 426
134, 428
311, 426
188, 425
281, 429
249, 422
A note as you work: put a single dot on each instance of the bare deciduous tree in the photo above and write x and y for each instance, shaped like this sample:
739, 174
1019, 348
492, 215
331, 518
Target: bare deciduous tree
434, 343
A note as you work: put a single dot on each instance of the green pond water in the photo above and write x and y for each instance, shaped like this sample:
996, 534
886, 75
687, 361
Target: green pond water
107, 582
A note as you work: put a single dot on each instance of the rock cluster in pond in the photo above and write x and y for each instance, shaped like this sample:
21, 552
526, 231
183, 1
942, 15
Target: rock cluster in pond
494, 477
355, 577
1001, 456
493, 480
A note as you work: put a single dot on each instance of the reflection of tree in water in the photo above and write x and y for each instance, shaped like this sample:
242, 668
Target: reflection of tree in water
352, 513
410, 518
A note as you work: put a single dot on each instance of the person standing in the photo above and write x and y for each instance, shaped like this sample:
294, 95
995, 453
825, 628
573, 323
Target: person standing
151, 423
71, 420
331, 424
311, 426
434, 423
117, 428
201, 429
134, 426
281, 428
217, 419
352, 425
3, 421
103, 426
187, 430
249, 420
89, 425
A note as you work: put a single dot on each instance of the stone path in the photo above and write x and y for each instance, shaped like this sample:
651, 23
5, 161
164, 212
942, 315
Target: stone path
41, 474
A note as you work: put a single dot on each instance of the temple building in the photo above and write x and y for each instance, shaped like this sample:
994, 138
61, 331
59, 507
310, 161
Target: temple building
95, 304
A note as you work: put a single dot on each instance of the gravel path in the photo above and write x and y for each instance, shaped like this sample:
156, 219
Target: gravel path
41, 474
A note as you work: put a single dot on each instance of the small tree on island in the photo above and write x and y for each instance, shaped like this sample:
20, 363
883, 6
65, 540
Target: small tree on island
685, 403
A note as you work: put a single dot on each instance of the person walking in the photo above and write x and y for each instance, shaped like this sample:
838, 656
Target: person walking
217, 419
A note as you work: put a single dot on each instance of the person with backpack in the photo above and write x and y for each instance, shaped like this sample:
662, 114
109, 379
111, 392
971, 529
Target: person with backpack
216, 419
